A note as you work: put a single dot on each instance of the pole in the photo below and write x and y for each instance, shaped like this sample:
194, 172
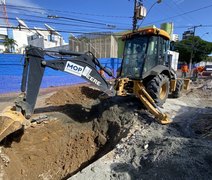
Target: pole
192, 47
135, 16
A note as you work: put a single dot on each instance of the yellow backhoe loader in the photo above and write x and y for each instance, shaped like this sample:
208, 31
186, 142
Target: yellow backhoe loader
145, 72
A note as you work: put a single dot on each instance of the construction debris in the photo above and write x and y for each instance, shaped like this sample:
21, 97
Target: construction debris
91, 138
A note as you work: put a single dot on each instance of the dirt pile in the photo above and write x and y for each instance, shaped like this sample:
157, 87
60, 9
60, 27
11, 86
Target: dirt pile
83, 95
48, 151
59, 144
73, 129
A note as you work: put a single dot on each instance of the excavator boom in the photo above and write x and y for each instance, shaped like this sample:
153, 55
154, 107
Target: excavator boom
84, 65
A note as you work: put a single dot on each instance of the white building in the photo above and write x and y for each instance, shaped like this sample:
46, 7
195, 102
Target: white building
46, 39
24, 36
175, 37
21, 39
3, 35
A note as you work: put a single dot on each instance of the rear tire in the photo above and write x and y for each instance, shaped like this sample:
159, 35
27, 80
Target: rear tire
179, 87
158, 89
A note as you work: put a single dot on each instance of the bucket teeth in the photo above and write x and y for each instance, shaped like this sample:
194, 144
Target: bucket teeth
10, 121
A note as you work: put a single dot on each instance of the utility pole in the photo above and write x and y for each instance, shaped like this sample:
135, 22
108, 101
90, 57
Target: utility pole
139, 13
192, 47
135, 16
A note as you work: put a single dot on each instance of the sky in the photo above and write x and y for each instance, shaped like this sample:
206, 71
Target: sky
79, 16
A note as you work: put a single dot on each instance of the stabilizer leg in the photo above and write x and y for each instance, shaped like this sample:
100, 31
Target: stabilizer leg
149, 103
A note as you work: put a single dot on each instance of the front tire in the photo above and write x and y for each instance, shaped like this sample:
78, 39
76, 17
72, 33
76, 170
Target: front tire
158, 89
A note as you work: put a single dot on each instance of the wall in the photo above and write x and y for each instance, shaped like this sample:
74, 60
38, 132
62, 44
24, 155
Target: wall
21, 39
39, 42
64, 47
102, 46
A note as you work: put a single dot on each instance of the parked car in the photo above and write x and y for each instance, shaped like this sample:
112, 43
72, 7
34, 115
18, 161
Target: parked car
207, 70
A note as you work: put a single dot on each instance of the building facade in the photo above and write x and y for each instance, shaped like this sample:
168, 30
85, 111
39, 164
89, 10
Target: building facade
175, 37
26, 37
45, 40
101, 45
188, 34
3, 35
20, 37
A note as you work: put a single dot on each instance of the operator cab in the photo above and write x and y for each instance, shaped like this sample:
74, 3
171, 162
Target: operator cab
143, 51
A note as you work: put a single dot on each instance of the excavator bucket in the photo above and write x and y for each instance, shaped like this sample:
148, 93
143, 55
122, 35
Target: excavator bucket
10, 121
186, 84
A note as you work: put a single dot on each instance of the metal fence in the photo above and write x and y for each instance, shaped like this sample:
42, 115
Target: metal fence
102, 46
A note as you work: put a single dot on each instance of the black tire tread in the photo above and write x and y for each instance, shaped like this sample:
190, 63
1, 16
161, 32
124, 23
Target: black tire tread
153, 88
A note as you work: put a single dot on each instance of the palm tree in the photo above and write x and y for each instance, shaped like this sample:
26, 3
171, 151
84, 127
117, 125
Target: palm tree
9, 44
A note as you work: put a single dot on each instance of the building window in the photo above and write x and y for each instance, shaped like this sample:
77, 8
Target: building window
51, 38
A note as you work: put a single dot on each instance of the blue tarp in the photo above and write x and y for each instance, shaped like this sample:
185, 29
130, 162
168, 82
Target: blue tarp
11, 67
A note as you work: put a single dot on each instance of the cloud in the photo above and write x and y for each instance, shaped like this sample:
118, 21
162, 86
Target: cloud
19, 11
26, 3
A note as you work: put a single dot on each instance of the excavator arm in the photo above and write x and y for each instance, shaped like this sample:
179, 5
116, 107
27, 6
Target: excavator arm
84, 65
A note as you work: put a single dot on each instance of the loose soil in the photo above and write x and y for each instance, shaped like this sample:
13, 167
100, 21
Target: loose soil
73, 127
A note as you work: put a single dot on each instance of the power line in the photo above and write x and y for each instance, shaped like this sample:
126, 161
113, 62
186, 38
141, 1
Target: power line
74, 19
64, 24
72, 12
66, 31
180, 10
188, 12
203, 26
45, 17
107, 23
96, 27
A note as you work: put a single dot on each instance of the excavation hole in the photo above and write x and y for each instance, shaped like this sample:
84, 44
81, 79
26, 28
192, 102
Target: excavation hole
77, 130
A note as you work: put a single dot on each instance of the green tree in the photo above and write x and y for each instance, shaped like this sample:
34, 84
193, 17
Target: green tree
9, 44
201, 49
209, 58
